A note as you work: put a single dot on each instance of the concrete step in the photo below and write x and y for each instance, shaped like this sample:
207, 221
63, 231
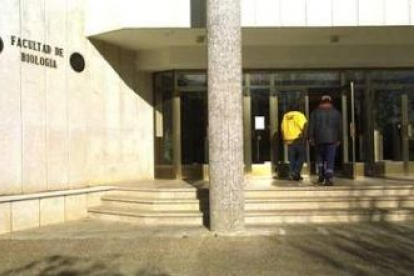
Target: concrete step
323, 203
155, 204
333, 191
147, 218
257, 218
161, 193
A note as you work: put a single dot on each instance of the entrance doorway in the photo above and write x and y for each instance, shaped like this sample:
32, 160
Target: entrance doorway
377, 117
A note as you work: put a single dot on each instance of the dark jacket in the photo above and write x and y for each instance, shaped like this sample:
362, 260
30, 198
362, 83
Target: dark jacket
325, 125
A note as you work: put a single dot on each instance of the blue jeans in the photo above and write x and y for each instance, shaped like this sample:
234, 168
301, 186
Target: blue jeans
296, 155
325, 159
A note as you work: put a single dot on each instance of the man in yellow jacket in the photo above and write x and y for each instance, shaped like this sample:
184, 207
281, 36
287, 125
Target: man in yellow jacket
293, 128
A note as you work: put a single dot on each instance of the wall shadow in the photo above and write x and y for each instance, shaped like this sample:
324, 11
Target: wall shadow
61, 265
380, 250
121, 60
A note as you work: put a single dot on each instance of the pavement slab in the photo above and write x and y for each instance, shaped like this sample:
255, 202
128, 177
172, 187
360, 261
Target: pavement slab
90, 247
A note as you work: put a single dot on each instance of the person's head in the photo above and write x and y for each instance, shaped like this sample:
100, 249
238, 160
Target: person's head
294, 107
326, 99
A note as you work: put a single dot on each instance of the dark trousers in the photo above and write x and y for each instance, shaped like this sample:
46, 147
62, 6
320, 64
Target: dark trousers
325, 159
296, 155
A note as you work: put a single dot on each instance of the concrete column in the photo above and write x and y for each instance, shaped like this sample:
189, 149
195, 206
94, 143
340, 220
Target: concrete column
225, 116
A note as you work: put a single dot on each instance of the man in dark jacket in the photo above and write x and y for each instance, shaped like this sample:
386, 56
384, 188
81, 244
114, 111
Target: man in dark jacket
325, 133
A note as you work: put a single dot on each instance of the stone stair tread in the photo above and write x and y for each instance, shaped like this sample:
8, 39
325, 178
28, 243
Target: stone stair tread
155, 189
327, 212
142, 213
147, 200
328, 198
330, 188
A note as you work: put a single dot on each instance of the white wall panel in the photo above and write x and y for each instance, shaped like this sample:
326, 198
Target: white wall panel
77, 95
10, 124
110, 15
345, 13
268, 12
293, 12
411, 3
56, 98
319, 12
128, 119
397, 12
371, 12
33, 100
96, 119
248, 12
112, 111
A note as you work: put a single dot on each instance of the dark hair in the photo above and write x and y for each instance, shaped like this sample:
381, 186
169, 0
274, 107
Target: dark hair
294, 107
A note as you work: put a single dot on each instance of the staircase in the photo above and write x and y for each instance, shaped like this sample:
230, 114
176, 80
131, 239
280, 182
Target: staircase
188, 206
318, 204
154, 206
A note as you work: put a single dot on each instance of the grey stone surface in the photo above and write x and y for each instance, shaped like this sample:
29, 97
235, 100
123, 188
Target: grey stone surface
225, 116
88, 248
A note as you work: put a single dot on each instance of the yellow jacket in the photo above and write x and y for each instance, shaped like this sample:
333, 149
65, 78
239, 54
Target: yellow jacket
293, 125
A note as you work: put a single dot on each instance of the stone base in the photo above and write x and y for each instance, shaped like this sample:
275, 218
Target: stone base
33, 210
353, 170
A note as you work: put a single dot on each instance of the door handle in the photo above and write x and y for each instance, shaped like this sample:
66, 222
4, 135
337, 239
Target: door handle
351, 129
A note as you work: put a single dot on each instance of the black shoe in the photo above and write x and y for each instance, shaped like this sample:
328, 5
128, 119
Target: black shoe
298, 177
293, 177
329, 182
320, 180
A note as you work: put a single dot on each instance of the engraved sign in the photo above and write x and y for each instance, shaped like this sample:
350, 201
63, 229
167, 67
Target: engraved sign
36, 53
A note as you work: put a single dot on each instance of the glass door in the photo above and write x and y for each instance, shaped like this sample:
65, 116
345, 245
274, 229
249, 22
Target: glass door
407, 103
388, 131
260, 122
193, 133
352, 103
410, 130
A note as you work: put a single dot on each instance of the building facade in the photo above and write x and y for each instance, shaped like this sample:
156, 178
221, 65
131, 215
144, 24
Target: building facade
98, 92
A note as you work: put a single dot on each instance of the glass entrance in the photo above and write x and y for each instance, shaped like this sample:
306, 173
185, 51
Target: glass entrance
377, 116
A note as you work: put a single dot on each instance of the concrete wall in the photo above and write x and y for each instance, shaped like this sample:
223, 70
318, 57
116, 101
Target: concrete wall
62, 129
327, 12
301, 57
111, 15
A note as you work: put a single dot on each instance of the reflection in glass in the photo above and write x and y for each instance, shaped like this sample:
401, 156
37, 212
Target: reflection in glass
308, 78
411, 129
164, 118
191, 79
260, 79
193, 127
392, 77
387, 125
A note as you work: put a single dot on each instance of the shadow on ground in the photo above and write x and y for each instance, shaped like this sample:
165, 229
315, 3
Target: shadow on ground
58, 265
376, 251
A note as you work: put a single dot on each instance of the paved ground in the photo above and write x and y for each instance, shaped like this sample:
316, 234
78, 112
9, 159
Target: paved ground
88, 248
